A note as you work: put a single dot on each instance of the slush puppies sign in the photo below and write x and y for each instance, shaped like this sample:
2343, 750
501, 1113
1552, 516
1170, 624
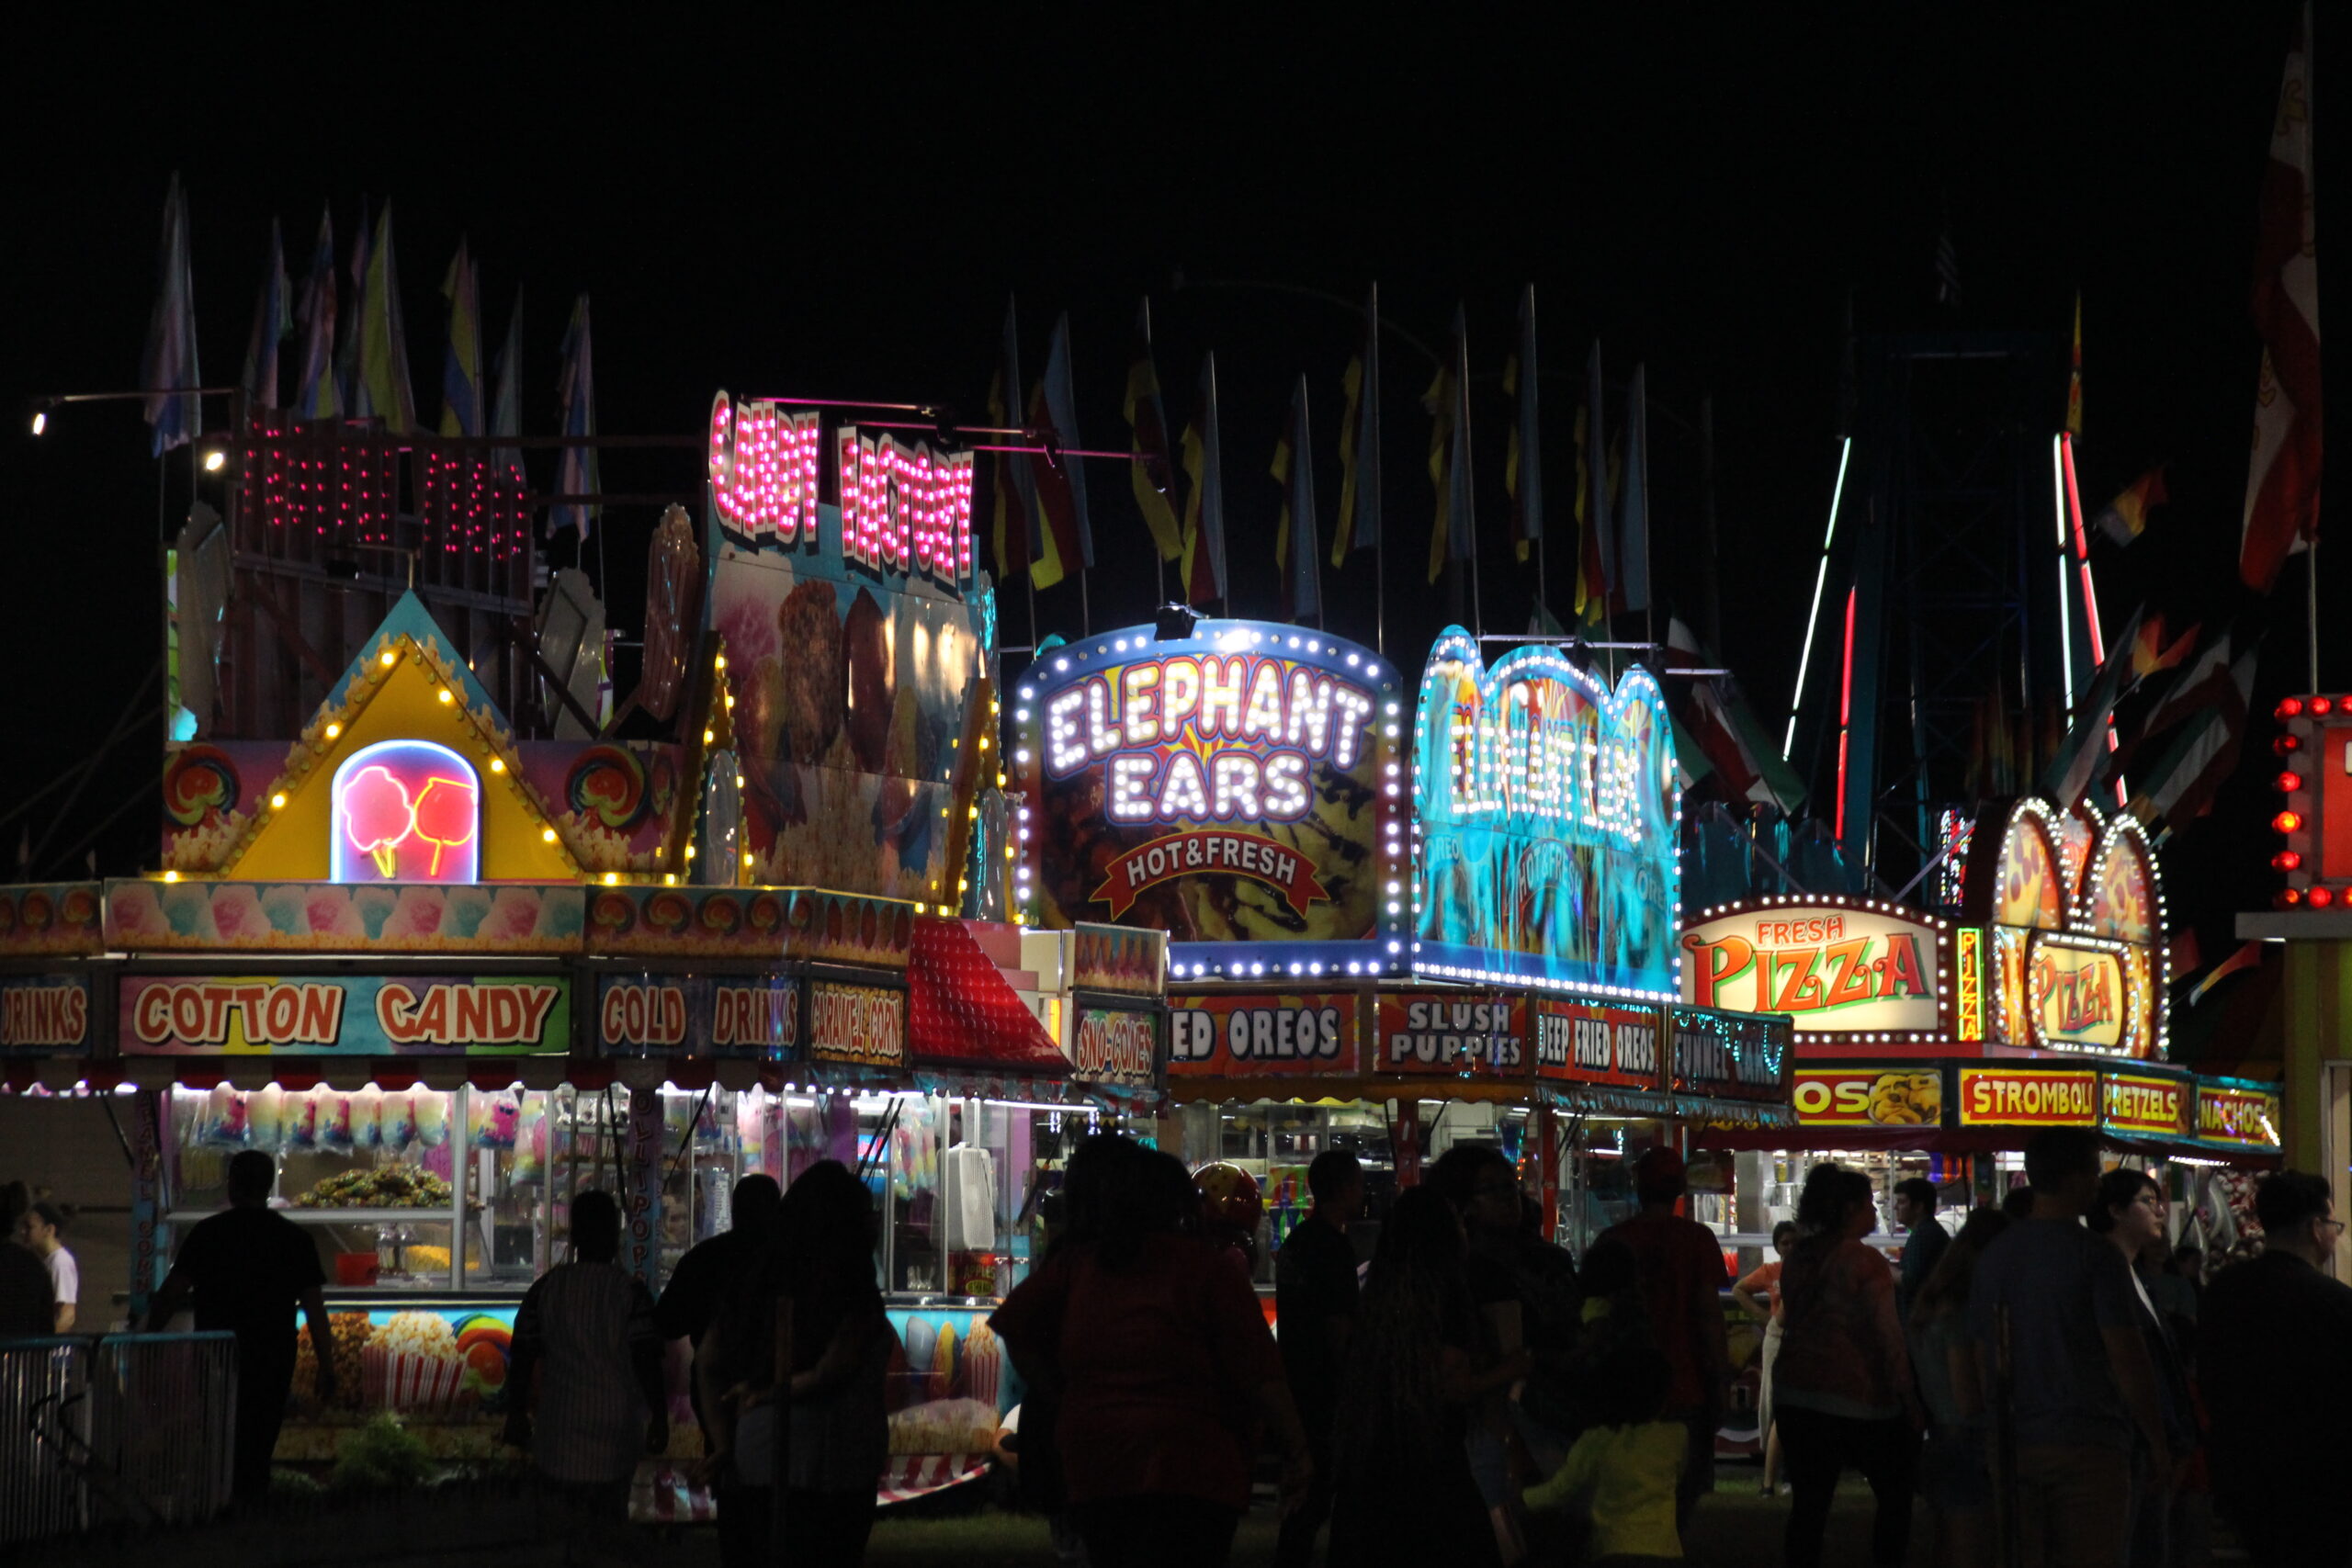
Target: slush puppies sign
1549, 810
1239, 784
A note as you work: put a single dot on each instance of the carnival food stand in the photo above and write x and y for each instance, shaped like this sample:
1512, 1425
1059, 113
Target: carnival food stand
1935, 1046
450, 974
1361, 961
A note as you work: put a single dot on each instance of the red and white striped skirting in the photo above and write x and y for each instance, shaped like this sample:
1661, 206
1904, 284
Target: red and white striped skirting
909, 1476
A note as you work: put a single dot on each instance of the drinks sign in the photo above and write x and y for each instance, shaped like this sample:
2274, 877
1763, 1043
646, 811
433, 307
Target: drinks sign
754, 1016
45, 1015
1836, 968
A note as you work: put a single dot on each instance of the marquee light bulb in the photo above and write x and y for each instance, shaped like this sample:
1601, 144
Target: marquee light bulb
2323, 707
2287, 822
2320, 897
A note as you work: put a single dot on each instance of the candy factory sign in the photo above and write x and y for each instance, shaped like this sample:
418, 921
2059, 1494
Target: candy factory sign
1548, 807
905, 506
409, 1015
1239, 785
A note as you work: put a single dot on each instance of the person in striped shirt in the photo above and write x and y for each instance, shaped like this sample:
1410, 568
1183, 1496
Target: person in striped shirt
586, 1328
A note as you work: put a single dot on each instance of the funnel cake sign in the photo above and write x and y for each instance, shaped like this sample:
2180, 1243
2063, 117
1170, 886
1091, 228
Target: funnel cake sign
1548, 808
1232, 785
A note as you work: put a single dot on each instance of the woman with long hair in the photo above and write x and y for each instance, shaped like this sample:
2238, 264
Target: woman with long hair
817, 1274
1155, 1345
1403, 1492
1955, 1476
2131, 1213
1842, 1392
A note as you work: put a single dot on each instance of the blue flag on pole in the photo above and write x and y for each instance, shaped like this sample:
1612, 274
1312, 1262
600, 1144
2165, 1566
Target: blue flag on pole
272, 320
315, 395
169, 364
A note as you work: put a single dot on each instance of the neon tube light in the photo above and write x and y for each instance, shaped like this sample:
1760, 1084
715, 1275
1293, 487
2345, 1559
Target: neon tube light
2090, 599
1820, 575
2066, 617
1845, 713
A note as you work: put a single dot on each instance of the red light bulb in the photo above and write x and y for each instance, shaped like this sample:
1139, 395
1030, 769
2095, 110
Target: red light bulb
2287, 821
2288, 783
2320, 897
2289, 708
2286, 859
2288, 898
2323, 707
2286, 745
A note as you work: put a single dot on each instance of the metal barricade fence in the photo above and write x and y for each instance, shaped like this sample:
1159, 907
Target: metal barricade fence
41, 1386
124, 1429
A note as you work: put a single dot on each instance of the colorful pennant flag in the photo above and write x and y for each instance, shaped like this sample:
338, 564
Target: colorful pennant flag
2152, 654
1634, 501
1153, 471
462, 367
2086, 742
2074, 375
382, 389
1359, 525
1016, 499
506, 406
2181, 785
273, 322
2282, 482
169, 364
1523, 459
1203, 567
1595, 546
1066, 542
1452, 529
1726, 733
2125, 518
576, 474
1299, 559
316, 394
346, 357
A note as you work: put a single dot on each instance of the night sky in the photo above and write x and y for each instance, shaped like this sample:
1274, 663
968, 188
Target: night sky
840, 208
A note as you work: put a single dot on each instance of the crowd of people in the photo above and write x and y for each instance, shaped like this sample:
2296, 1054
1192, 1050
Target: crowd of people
2048, 1385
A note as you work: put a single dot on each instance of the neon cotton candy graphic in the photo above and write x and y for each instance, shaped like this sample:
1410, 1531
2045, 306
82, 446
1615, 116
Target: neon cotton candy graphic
406, 811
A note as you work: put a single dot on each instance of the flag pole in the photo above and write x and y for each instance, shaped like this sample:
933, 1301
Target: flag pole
2310, 603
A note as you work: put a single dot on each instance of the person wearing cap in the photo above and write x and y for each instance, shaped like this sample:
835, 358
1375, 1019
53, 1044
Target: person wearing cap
1679, 1268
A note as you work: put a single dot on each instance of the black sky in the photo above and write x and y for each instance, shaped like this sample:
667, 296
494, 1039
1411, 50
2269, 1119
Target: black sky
840, 207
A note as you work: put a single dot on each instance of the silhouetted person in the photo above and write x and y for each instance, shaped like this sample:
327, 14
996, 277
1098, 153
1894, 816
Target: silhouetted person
2076, 1389
1314, 1303
1842, 1390
1162, 1358
249, 1269
1681, 1266
27, 1292
586, 1327
689, 1304
2130, 1213
1915, 1210
2274, 1351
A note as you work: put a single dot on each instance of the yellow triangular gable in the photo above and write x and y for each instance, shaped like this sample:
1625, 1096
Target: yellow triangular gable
404, 688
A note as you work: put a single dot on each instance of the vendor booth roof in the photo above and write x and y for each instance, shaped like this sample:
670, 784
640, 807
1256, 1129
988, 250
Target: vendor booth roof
961, 1010
1952, 1141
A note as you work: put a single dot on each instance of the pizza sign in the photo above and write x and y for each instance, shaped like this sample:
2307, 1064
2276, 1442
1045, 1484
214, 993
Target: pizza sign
1836, 968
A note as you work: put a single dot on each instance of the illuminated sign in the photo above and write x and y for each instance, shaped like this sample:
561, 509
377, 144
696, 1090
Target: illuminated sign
2237, 1118
2315, 787
2075, 994
406, 1015
1115, 1046
1729, 1055
44, 1015
858, 1025
1594, 1043
2144, 1103
1969, 986
1548, 808
406, 811
1238, 785
903, 505
1263, 1036
754, 1016
1836, 969
1119, 959
2029, 1096
2335, 765
1469, 1037
1868, 1097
